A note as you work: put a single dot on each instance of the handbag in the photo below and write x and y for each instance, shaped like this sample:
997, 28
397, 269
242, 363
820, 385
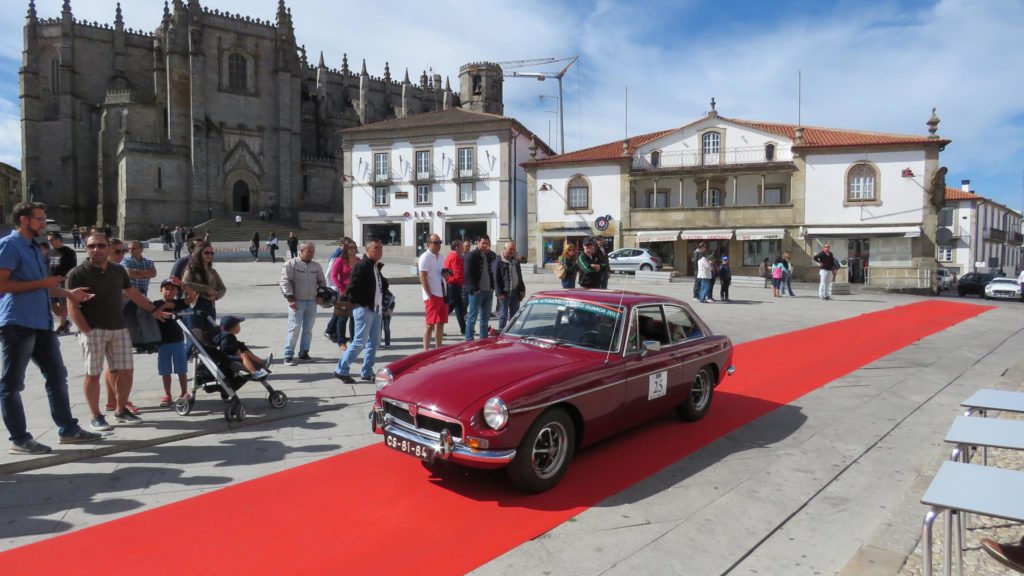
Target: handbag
559, 270
343, 307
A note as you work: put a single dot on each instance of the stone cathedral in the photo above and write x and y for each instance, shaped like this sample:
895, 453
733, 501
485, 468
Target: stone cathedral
211, 114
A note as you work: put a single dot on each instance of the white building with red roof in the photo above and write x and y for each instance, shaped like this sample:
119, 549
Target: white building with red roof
977, 234
751, 190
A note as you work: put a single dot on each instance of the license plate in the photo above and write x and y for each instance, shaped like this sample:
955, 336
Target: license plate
421, 451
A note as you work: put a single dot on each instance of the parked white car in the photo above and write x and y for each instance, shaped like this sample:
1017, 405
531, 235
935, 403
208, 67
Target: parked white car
633, 259
946, 278
1003, 289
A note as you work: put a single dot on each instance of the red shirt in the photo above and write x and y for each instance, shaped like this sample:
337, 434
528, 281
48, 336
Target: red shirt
453, 262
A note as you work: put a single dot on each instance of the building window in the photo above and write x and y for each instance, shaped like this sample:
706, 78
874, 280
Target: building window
755, 251
946, 217
655, 158
423, 194
773, 195
422, 165
305, 185
478, 85
657, 199
380, 196
388, 234
465, 162
578, 197
711, 145
945, 253
55, 76
713, 198
237, 73
380, 166
467, 195
769, 152
861, 183
159, 177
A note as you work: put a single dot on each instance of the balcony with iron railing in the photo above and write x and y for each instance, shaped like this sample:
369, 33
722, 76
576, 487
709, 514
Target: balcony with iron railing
725, 158
995, 235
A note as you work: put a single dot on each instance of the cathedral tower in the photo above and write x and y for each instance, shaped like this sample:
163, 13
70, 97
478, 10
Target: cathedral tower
480, 88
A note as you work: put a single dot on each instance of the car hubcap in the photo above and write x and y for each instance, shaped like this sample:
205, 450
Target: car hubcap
549, 450
701, 390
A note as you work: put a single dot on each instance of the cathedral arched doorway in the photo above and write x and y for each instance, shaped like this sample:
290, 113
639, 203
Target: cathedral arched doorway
240, 197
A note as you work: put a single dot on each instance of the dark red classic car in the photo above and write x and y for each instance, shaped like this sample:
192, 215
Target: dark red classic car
571, 368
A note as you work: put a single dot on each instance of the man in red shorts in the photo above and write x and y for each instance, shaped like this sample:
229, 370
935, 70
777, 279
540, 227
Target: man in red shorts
433, 277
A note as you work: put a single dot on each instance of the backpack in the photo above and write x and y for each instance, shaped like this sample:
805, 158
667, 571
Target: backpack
559, 270
777, 272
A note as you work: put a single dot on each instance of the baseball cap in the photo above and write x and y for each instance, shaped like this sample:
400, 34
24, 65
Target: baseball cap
229, 322
725, 258
54, 234
590, 240
168, 282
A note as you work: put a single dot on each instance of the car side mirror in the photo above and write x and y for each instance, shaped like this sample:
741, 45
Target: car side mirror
650, 346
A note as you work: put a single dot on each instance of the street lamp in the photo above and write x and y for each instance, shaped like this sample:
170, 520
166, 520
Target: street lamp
541, 76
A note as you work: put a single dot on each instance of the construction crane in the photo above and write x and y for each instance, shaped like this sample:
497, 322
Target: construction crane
541, 76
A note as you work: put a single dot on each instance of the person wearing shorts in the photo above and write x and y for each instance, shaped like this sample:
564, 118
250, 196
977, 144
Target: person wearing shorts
433, 278
172, 355
102, 331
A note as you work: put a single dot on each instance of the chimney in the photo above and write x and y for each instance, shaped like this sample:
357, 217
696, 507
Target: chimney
965, 185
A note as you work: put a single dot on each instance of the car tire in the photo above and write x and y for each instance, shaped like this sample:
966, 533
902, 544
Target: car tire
646, 267
544, 453
698, 400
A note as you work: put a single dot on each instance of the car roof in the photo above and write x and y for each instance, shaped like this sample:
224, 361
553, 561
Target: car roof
608, 297
1004, 279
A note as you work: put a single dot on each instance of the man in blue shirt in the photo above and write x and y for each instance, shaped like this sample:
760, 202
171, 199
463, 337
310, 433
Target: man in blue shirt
26, 332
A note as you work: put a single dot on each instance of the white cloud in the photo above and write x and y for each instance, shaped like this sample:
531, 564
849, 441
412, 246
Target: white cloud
865, 66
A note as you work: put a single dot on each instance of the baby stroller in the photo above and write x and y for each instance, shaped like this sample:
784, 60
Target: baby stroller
215, 372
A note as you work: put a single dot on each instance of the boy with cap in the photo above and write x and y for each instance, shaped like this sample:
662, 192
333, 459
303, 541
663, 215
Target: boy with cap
725, 275
172, 355
236, 350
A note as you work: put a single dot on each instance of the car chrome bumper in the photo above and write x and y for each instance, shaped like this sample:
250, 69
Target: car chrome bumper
444, 446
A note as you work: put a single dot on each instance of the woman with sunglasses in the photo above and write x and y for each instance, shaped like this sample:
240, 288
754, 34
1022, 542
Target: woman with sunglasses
340, 274
204, 280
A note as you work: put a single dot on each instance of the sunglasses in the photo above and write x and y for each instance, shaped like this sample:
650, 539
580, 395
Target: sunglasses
122, 251
433, 241
95, 246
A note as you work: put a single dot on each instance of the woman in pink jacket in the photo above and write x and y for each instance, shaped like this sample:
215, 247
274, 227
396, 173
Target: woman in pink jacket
341, 273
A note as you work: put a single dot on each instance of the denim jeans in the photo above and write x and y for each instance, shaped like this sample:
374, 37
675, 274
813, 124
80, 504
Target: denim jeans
304, 314
569, 281
367, 335
18, 345
341, 322
507, 308
705, 289
479, 308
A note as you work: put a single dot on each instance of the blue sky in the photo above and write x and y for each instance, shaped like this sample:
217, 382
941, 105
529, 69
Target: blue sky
877, 66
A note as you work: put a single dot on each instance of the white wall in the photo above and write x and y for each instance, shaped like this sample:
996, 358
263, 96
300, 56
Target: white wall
605, 182
902, 198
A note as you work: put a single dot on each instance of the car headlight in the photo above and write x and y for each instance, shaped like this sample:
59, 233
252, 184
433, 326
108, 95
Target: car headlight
384, 378
495, 413
988, 289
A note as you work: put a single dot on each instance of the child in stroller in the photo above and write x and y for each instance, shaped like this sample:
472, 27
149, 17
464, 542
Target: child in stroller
236, 351
224, 364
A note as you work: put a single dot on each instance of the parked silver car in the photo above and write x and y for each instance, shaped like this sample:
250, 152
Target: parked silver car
1002, 288
633, 259
946, 278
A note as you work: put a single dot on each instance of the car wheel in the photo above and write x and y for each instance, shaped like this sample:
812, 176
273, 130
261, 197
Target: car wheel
544, 454
698, 401
646, 267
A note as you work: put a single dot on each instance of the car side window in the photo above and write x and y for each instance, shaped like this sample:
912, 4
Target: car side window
650, 324
681, 326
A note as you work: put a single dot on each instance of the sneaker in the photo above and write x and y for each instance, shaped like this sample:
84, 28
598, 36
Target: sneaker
131, 408
99, 424
166, 401
345, 378
260, 374
28, 447
304, 356
127, 417
289, 361
80, 437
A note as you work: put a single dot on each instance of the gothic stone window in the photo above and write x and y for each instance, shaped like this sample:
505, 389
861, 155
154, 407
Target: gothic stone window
238, 79
861, 183
578, 196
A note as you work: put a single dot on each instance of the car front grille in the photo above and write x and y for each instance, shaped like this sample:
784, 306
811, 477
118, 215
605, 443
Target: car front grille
400, 411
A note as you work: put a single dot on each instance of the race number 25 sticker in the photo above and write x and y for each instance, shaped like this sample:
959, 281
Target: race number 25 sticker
657, 385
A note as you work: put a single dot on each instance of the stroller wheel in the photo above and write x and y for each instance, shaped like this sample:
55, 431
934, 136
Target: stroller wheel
183, 406
278, 399
235, 411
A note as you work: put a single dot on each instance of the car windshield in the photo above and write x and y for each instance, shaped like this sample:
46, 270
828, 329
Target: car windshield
1009, 281
569, 322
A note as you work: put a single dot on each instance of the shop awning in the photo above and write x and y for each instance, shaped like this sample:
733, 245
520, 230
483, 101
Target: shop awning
705, 235
761, 234
657, 236
844, 232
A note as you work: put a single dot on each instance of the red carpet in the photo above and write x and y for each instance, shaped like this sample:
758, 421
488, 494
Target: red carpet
375, 511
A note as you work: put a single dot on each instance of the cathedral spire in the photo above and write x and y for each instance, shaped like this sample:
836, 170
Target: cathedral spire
31, 10
321, 64
406, 81
67, 8
167, 11
282, 13
118, 17
423, 80
387, 72
364, 73
344, 63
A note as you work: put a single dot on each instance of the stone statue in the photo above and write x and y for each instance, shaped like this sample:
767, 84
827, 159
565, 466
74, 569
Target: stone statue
937, 188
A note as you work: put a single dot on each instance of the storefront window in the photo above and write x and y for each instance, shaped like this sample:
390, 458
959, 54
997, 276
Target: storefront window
755, 251
553, 245
471, 231
388, 234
